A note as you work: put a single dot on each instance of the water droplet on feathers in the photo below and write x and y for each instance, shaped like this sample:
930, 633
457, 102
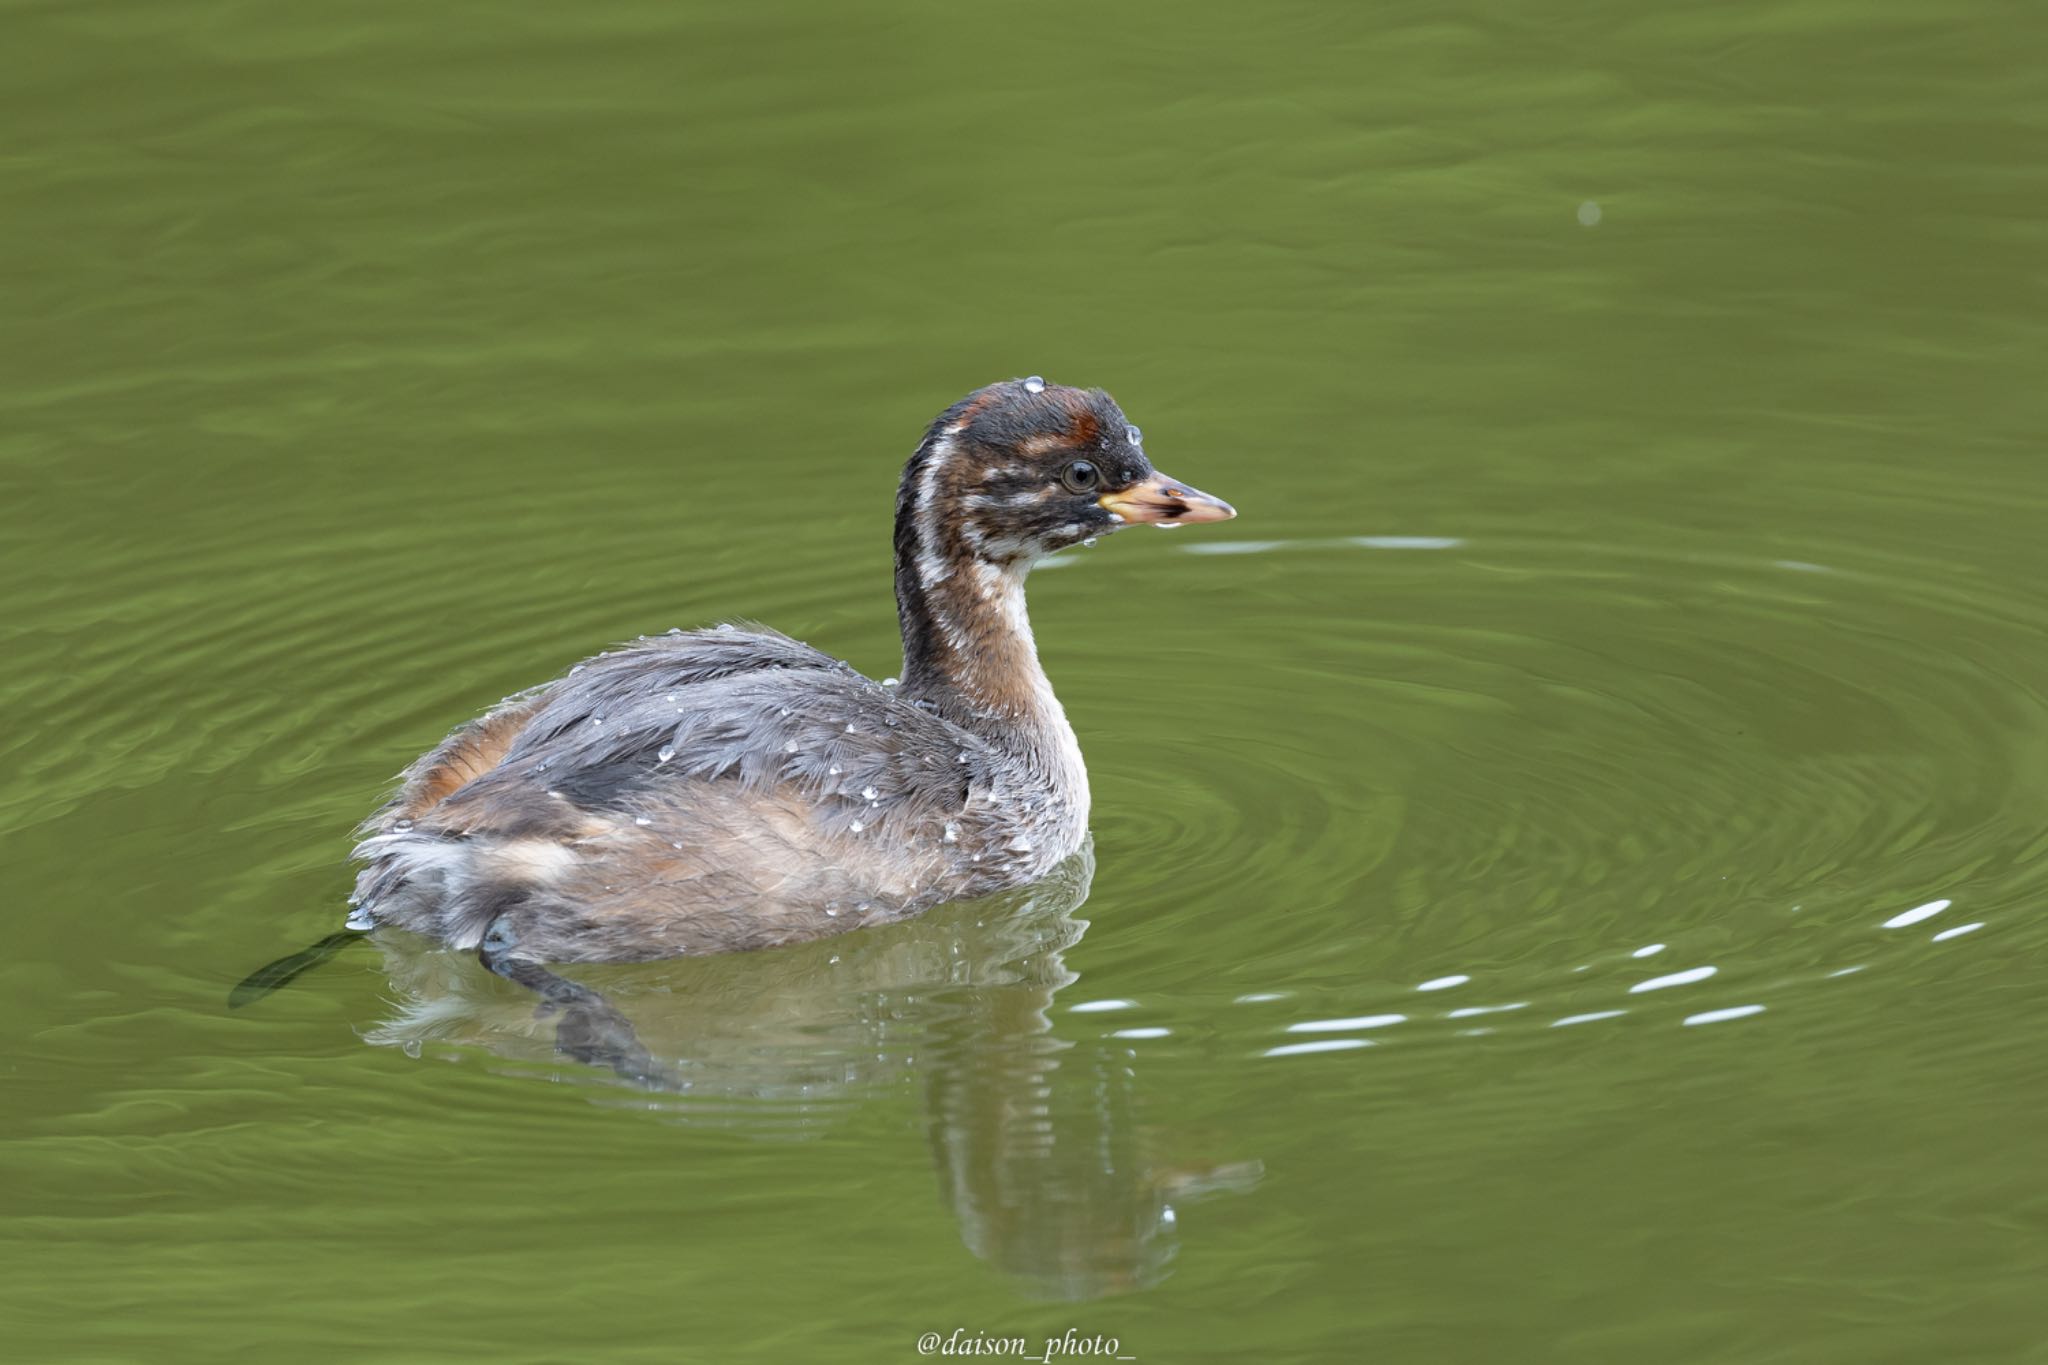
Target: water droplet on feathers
1035, 384
664, 753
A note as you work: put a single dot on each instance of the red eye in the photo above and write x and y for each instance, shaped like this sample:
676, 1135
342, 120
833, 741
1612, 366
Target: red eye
1081, 477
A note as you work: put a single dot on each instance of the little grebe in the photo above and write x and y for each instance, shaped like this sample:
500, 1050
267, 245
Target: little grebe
726, 789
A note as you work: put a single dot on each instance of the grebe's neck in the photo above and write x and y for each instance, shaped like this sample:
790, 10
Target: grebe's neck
968, 651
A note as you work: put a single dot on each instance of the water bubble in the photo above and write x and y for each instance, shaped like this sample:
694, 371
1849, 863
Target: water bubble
664, 753
1034, 384
1589, 214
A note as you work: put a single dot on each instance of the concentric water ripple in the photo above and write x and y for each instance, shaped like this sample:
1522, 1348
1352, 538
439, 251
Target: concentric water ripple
1724, 789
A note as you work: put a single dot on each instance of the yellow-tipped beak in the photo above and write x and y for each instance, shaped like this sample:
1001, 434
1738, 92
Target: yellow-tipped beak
1165, 502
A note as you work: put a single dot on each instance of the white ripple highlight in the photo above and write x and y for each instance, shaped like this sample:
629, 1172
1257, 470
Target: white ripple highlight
1470, 1010
1321, 1045
1407, 542
1716, 1016
1916, 914
1586, 1018
1101, 1006
1142, 1033
1345, 1025
1443, 983
1232, 547
1958, 931
1684, 978
1648, 950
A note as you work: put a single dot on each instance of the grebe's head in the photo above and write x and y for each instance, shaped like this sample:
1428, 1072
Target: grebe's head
1019, 469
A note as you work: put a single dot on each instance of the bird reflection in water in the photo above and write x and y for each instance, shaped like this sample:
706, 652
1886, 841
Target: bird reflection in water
1037, 1138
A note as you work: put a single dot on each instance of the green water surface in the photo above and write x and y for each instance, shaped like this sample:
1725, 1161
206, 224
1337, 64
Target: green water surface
1570, 867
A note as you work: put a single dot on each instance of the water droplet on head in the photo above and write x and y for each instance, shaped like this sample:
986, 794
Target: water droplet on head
1134, 436
664, 753
1035, 384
